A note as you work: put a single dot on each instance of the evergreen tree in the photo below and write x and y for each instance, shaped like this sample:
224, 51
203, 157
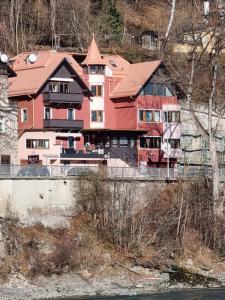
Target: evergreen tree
112, 19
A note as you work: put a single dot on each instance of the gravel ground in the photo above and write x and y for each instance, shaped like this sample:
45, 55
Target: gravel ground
117, 282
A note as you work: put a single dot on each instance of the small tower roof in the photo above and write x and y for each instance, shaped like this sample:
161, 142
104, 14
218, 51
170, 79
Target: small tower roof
93, 56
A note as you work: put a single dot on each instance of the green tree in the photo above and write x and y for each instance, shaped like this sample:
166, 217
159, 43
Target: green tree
112, 19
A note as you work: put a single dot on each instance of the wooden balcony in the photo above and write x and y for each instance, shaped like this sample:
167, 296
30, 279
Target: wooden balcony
62, 99
63, 124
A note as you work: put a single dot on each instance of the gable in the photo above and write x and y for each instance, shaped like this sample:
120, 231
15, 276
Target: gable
159, 84
63, 72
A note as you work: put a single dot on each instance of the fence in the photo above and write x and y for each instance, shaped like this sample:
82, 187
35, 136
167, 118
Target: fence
141, 173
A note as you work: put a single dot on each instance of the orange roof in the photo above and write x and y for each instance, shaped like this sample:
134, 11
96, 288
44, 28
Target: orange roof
31, 76
136, 76
117, 64
93, 56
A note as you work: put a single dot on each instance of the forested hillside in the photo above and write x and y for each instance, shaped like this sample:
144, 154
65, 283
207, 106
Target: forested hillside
35, 24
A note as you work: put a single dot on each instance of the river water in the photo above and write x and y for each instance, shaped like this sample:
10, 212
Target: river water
212, 294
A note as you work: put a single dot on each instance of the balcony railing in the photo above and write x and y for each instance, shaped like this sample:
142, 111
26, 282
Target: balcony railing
63, 124
51, 98
72, 153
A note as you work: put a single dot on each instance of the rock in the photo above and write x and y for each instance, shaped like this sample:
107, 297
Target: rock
165, 277
85, 274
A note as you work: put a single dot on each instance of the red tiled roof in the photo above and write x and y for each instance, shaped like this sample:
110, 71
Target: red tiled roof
31, 76
93, 56
135, 77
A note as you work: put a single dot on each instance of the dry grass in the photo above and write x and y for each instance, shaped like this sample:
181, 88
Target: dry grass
108, 227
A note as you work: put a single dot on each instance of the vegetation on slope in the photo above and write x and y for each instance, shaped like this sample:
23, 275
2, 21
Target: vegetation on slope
169, 225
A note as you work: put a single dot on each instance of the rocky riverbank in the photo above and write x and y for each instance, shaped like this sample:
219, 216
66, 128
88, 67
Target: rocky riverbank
106, 280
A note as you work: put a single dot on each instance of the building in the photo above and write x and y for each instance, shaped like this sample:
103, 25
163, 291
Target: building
195, 148
8, 119
49, 91
134, 110
90, 109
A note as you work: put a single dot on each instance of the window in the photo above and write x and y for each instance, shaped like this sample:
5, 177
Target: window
64, 88
107, 142
132, 142
96, 69
114, 142
156, 89
97, 90
37, 144
123, 142
112, 63
71, 141
47, 113
53, 87
24, 115
174, 143
2, 124
159, 89
59, 87
149, 89
85, 69
150, 142
149, 116
172, 116
97, 116
70, 114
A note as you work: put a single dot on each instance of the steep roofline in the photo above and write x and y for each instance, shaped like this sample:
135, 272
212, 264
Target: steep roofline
65, 60
133, 93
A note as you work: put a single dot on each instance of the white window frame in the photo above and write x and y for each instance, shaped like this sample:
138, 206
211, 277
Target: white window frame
153, 110
22, 116
103, 116
98, 84
50, 113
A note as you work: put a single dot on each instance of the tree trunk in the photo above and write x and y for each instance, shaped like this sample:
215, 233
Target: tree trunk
217, 203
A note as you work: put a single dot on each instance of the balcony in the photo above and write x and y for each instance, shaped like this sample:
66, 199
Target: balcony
63, 124
62, 99
81, 155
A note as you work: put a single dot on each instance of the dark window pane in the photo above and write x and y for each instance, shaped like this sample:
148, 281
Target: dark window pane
150, 142
148, 89
141, 115
159, 89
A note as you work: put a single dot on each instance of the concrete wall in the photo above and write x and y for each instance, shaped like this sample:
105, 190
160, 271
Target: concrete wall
51, 201
46, 201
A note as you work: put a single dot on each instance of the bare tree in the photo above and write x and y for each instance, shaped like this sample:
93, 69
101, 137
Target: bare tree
169, 26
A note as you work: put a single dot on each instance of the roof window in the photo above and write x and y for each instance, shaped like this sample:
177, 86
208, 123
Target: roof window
112, 63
